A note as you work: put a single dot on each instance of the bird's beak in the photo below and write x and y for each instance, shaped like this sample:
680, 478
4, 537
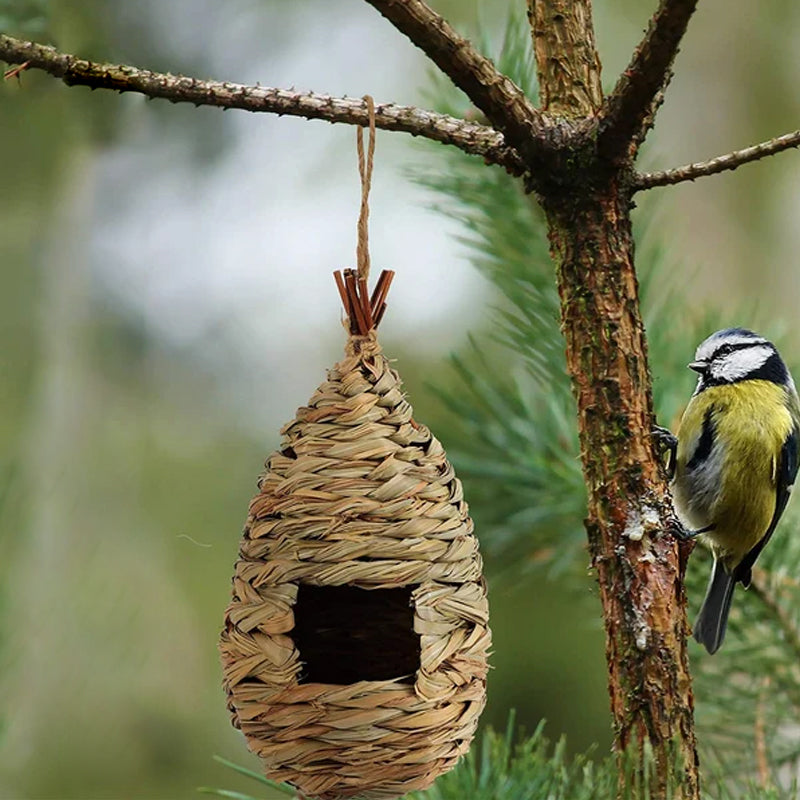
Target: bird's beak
698, 366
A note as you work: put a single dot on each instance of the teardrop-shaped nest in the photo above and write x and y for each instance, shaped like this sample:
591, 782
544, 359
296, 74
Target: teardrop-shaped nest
355, 646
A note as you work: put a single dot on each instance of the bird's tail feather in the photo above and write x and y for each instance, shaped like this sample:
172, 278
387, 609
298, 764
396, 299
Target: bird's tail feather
709, 628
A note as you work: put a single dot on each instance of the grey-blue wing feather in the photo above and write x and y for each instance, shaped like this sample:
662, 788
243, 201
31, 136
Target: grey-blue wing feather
787, 472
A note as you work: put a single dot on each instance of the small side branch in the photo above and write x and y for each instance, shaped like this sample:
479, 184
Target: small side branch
762, 590
729, 161
498, 97
628, 110
760, 737
470, 137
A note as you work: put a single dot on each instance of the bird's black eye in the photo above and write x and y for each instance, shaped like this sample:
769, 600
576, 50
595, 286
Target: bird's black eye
724, 350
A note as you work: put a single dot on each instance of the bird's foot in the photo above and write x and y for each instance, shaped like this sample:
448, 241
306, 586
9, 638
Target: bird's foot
679, 532
667, 448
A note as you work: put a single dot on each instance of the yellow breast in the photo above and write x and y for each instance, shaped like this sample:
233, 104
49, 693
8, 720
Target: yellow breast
734, 486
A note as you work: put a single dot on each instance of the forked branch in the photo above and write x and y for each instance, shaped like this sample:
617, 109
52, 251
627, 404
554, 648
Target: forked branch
628, 110
729, 161
497, 96
470, 137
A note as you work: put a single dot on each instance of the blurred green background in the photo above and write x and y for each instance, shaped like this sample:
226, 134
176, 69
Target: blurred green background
167, 303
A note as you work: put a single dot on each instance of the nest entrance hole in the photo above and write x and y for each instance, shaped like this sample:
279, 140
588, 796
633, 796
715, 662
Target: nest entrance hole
346, 634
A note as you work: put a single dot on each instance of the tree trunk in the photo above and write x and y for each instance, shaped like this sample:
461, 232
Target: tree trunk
638, 564
587, 199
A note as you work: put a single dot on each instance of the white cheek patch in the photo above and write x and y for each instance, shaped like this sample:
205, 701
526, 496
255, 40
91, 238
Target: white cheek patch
740, 363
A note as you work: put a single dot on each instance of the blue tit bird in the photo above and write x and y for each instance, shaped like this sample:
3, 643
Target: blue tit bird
734, 461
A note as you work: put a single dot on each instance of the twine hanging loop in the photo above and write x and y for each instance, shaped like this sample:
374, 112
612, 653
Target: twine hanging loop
365, 171
364, 311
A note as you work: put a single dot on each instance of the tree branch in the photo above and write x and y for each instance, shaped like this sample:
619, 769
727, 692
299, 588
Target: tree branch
470, 137
729, 161
626, 110
650, 117
567, 61
498, 97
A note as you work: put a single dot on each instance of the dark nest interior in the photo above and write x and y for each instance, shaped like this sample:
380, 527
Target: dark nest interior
346, 634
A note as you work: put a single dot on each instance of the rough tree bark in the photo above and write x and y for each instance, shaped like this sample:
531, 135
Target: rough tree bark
576, 153
629, 514
587, 201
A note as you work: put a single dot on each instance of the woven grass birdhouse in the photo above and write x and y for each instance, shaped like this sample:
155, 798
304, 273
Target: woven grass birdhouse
355, 646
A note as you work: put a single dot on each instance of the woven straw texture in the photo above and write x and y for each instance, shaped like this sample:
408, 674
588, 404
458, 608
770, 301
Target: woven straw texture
359, 495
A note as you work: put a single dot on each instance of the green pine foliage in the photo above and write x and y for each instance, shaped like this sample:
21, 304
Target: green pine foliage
531, 768
513, 766
498, 768
267, 788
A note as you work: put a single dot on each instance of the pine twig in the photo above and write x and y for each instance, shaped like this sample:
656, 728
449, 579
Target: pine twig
626, 110
470, 137
497, 96
760, 587
760, 736
729, 161
15, 72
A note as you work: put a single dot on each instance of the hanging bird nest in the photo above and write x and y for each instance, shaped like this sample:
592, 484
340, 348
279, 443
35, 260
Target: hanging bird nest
355, 646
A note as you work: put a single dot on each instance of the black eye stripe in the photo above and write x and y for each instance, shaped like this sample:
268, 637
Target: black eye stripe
727, 349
